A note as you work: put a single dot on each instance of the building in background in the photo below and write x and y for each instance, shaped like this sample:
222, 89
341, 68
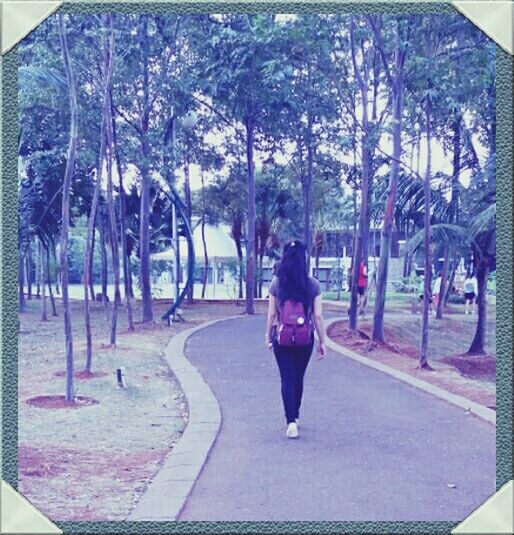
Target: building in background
331, 267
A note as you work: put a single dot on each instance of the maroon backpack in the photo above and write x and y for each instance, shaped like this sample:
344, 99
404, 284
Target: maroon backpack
294, 328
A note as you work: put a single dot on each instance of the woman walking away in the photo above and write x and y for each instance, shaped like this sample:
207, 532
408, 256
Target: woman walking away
294, 313
470, 291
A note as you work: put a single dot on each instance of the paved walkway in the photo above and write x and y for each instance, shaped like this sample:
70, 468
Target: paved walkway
370, 447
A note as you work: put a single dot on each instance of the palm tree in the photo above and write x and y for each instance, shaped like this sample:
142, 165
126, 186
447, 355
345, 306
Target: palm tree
483, 233
480, 236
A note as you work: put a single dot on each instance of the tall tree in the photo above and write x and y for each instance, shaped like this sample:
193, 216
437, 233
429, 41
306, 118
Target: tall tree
427, 283
70, 162
49, 281
395, 77
42, 278
107, 121
247, 85
146, 181
123, 225
360, 254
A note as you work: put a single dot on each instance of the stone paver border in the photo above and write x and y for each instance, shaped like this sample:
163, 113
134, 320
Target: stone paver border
168, 492
479, 410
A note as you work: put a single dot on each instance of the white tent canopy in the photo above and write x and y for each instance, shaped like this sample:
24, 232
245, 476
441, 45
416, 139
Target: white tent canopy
219, 244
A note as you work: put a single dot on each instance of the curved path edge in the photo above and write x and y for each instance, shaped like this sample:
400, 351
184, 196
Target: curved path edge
479, 410
167, 493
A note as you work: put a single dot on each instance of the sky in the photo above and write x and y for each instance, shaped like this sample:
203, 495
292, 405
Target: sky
440, 163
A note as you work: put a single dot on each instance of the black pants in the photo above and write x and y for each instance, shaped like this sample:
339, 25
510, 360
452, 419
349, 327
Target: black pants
292, 363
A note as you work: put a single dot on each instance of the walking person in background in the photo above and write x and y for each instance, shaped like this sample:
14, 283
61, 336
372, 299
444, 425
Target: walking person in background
421, 295
294, 313
437, 289
470, 292
362, 284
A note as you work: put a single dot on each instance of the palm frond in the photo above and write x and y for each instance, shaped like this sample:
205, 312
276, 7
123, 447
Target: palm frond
484, 221
42, 77
439, 233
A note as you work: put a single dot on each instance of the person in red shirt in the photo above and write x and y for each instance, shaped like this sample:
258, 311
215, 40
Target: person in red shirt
362, 283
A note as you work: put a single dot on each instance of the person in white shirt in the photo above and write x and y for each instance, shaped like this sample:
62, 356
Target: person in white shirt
470, 292
421, 295
437, 289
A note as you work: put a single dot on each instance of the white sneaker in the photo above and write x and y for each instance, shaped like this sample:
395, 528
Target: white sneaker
292, 430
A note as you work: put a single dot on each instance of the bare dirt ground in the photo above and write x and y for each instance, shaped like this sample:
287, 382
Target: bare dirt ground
94, 462
473, 377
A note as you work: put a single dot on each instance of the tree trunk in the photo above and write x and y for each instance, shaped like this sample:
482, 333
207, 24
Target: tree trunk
146, 182
189, 207
482, 271
205, 256
423, 357
360, 253
451, 282
339, 268
237, 233
257, 274
21, 280
91, 276
110, 196
127, 286
90, 237
70, 163
250, 243
387, 229
261, 274
241, 270
144, 240
29, 271
37, 269
453, 213
57, 271
130, 281
307, 202
444, 282
318, 249
264, 231
88, 257
49, 282
103, 255
42, 278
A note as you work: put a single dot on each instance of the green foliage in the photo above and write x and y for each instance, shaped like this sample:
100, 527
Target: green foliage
294, 79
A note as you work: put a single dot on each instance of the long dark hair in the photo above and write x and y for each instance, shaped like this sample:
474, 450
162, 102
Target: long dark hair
293, 278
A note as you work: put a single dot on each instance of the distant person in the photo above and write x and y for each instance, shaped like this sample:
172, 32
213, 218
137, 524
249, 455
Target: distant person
362, 283
294, 313
470, 292
437, 289
421, 294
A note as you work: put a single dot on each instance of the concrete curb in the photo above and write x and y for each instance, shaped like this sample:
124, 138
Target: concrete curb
479, 410
168, 492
